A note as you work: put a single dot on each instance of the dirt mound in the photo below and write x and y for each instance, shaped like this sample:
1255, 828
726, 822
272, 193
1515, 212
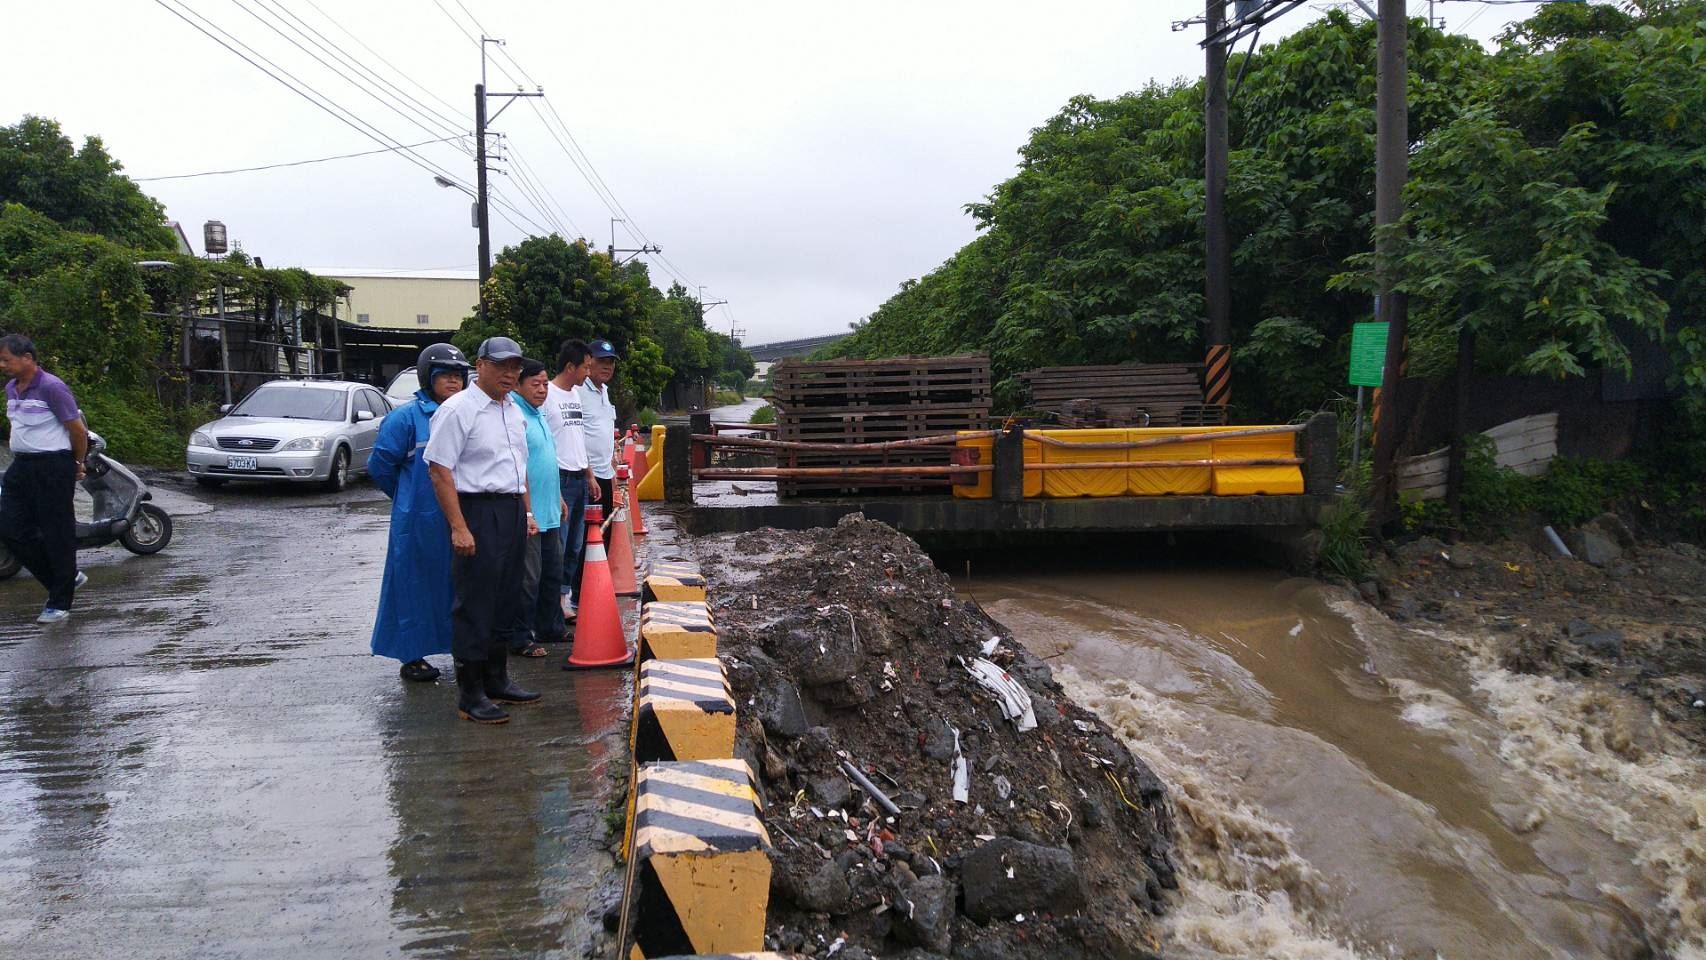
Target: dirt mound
852, 657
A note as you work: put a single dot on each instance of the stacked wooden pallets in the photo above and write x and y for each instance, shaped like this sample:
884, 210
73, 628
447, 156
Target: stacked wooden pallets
1144, 394
876, 401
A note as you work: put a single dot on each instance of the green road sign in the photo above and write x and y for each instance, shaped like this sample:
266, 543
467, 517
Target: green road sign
1368, 354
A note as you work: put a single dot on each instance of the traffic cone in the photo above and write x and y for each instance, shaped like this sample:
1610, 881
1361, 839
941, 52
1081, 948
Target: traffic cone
636, 517
600, 640
622, 543
639, 465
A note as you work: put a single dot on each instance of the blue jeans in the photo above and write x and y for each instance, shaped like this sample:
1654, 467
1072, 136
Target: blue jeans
573, 530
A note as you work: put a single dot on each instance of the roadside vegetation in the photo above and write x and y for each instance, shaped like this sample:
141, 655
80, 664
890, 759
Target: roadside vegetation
545, 290
72, 230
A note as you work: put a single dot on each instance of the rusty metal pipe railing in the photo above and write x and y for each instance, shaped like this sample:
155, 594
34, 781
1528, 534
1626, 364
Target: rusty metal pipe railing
737, 473
806, 446
1033, 436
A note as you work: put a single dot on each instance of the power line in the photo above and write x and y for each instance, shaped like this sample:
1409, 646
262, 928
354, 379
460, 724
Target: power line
566, 141
358, 84
303, 89
523, 167
294, 163
450, 122
455, 111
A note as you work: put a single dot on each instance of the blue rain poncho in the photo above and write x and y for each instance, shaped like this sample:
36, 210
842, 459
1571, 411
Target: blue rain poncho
414, 598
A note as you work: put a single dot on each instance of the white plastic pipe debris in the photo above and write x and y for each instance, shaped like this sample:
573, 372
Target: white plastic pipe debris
962, 776
1014, 699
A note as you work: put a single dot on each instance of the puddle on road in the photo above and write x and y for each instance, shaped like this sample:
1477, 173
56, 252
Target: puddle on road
1346, 788
205, 754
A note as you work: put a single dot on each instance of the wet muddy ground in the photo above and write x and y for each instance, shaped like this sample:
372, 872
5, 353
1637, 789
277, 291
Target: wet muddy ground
205, 761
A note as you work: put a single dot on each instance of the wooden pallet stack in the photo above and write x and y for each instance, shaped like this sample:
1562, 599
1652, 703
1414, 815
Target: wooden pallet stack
1124, 395
872, 401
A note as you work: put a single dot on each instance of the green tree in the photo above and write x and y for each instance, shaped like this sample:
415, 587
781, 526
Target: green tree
640, 377
81, 190
1557, 204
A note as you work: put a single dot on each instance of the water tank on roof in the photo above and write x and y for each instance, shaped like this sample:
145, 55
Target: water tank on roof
213, 238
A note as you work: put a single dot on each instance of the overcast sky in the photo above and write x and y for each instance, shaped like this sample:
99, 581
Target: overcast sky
797, 159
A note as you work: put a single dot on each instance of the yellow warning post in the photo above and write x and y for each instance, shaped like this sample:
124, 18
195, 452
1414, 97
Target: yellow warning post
685, 711
677, 631
702, 883
674, 581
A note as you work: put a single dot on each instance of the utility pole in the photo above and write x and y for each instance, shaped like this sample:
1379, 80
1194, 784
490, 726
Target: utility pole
1217, 376
480, 186
482, 215
1391, 168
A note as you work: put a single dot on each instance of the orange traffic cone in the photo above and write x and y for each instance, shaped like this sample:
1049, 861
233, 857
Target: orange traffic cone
622, 543
638, 464
600, 640
636, 522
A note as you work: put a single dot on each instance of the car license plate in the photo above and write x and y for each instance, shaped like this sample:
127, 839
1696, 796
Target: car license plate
240, 463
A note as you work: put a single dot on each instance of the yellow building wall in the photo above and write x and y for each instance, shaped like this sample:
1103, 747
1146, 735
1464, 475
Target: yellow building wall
398, 302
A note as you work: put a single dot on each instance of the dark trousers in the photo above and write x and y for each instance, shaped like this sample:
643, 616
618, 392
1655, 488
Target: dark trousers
606, 495
573, 531
488, 584
38, 520
539, 618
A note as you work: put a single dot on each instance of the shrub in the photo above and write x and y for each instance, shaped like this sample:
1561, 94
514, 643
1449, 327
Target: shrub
764, 414
647, 418
1344, 537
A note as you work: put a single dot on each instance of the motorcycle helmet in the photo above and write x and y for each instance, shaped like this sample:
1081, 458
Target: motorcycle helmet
437, 358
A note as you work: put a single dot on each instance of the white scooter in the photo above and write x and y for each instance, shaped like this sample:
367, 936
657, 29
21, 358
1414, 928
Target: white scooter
122, 510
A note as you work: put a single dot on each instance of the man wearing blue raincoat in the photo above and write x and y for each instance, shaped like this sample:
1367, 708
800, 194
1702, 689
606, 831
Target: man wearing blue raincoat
415, 596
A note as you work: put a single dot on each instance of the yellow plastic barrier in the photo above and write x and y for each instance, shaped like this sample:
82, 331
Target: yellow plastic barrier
650, 487
1084, 483
1247, 481
684, 711
702, 883
984, 488
1159, 481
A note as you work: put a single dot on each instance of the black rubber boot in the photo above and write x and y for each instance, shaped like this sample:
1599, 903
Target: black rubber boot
498, 685
471, 702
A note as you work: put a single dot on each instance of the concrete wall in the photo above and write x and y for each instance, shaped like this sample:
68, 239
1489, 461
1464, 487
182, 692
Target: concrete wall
398, 302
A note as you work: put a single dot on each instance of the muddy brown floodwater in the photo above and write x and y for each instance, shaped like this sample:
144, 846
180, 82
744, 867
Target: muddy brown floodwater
206, 762
1347, 787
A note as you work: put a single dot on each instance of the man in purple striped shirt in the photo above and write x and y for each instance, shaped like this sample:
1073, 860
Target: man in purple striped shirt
38, 521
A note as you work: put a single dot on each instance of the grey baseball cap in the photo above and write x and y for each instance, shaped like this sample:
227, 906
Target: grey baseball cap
499, 348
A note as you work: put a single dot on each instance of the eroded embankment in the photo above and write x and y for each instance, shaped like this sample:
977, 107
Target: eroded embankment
847, 645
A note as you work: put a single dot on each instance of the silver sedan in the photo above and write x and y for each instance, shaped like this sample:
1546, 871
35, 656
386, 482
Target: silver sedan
304, 431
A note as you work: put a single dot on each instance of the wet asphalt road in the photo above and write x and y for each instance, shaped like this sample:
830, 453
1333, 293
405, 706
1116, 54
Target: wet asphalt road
206, 762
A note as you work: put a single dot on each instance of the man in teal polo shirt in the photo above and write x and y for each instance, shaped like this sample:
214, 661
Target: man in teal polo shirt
540, 617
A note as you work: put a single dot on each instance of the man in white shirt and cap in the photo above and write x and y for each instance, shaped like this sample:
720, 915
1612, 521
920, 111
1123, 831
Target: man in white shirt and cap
477, 457
598, 414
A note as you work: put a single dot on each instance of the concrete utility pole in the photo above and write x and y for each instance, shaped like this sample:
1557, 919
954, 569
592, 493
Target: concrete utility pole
1217, 377
482, 214
480, 187
1391, 168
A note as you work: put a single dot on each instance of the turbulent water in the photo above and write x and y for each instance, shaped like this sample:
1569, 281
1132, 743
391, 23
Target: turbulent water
1347, 788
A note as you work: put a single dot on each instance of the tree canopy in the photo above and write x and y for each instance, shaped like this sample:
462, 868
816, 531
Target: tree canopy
82, 190
545, 290
1557, 205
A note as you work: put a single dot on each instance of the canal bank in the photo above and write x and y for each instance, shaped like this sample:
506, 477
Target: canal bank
1348, 785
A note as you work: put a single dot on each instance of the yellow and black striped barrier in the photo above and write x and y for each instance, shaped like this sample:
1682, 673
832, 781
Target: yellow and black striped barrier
673, 580
681, 630
699, 881
684, 711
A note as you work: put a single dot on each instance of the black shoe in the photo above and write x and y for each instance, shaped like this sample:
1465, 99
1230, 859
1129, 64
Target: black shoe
471, 702
498, 685
419, 671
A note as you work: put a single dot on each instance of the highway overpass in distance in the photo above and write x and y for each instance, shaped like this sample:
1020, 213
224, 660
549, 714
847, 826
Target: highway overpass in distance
792, 349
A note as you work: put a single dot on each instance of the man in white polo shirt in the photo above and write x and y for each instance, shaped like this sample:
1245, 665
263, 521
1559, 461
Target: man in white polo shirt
599, 416
564, 412
477, 457
49, 443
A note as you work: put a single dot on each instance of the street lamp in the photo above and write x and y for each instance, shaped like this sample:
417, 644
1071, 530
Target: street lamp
474, 210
